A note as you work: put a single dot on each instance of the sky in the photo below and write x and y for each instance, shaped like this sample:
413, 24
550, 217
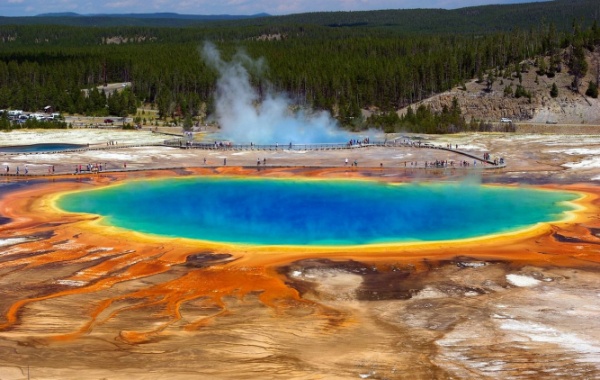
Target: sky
232, 7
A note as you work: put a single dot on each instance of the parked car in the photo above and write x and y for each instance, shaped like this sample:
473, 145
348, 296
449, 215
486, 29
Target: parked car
108, 121
505, 120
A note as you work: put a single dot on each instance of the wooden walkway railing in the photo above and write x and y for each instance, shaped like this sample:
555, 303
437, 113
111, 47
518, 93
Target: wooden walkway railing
181, 143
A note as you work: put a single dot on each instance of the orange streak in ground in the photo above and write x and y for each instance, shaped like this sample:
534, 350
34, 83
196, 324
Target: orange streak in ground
130, 256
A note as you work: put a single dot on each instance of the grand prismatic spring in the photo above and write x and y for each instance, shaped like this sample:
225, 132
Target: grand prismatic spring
317, 212
169, 264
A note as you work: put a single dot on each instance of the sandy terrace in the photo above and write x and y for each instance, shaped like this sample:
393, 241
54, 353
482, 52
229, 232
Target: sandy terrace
566, 157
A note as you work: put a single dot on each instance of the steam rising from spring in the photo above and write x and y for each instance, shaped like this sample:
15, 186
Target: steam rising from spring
245, 117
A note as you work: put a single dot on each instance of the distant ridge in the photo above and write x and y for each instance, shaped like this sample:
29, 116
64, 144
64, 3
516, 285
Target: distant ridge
59, 14
160, 15
472, 20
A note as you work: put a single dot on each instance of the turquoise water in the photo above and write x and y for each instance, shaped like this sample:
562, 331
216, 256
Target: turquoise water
37, 148
311, 212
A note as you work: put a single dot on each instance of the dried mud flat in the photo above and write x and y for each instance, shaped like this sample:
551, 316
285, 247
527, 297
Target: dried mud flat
82, 302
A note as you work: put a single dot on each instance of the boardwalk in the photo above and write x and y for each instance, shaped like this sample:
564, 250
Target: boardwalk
177, 154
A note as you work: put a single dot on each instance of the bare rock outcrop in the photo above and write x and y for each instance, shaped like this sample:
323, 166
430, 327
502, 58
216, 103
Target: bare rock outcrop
479, 102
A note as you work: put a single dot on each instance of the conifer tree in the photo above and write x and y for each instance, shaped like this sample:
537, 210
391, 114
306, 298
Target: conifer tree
592, 90
554, 91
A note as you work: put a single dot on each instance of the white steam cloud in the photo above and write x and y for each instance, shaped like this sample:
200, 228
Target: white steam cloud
245, 117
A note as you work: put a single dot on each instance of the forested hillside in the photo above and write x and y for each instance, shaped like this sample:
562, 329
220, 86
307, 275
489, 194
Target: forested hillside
381, 65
